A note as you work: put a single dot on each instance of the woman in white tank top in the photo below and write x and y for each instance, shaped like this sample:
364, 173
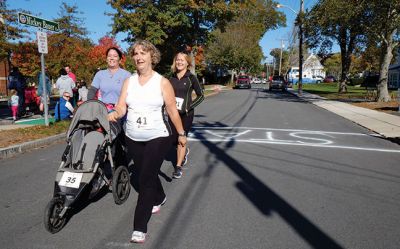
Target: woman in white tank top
147, 97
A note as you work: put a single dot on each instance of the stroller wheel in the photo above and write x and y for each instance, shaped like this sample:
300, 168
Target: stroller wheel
52, 220
121, 186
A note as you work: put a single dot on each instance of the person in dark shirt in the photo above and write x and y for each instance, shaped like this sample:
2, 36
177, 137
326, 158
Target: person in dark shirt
17, 82
184, 83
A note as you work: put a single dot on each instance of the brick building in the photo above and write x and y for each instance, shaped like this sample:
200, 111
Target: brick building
4, 71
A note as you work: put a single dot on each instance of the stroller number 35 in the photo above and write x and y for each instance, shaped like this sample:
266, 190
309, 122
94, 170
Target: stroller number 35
70, 179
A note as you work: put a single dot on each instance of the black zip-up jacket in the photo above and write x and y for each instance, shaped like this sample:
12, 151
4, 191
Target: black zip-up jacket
184, 87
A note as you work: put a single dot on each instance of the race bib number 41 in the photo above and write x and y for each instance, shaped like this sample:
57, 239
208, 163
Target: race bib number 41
143, 120
70, 179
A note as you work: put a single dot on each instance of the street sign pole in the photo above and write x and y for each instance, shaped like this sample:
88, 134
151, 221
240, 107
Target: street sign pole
41, 24
46, 108
42, 47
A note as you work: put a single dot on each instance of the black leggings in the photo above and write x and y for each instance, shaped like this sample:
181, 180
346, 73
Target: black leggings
148, 157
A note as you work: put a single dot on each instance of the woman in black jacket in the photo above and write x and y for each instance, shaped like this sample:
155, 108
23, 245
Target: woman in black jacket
184, 83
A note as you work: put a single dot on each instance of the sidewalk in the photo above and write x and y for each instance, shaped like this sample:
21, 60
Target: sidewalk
8, 124
386, 125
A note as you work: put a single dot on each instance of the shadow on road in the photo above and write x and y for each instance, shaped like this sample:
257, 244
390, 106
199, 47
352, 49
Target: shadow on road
257, 192
267, 201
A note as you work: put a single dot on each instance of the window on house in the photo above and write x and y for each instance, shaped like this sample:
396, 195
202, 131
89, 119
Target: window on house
393, 81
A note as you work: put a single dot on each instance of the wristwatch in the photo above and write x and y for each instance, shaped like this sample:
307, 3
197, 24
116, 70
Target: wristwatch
182, 134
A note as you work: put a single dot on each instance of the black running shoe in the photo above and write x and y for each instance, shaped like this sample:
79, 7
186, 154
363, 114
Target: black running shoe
177, 172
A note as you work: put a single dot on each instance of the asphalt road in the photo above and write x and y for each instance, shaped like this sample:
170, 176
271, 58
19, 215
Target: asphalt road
266, 170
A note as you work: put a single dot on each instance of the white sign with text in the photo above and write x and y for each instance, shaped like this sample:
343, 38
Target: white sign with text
42, 42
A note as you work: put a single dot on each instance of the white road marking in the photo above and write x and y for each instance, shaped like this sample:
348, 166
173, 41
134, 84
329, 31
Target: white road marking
260, 141
275, 129
231, 133
228, 134
298, 135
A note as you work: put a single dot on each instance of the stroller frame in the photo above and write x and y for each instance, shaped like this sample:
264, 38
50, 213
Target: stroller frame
90, 138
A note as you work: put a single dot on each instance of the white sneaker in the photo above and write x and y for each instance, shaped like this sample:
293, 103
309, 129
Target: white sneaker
185, 159
138, 237
157, 208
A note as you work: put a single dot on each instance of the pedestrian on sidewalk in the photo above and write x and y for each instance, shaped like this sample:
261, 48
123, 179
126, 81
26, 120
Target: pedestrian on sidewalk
82, 92
14, 103
184, 83
64, 109
65, 84
40, 90
147, 98
70, 73
74, 96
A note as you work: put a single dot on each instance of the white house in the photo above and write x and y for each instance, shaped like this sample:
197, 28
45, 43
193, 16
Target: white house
312, 71
394, 74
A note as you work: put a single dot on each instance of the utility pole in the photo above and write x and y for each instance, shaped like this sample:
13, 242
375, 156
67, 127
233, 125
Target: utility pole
273, 66
280, 59
300, 21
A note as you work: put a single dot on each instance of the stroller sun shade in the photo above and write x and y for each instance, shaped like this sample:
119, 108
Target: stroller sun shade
91, 111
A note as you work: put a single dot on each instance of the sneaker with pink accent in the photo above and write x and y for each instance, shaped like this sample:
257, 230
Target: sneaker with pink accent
157, 208
138, 237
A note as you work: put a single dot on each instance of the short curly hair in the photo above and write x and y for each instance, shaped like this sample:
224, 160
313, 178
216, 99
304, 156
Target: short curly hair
148, 47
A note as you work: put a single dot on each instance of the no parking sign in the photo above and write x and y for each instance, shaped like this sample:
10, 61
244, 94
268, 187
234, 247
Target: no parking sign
42, 42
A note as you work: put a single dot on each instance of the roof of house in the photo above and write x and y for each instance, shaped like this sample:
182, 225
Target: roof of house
313, 62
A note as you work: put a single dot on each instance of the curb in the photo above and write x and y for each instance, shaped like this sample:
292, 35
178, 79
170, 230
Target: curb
20, 148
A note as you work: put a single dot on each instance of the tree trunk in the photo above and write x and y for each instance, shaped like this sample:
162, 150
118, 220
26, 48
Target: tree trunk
346, 43
382, 87
342, 80
232, 83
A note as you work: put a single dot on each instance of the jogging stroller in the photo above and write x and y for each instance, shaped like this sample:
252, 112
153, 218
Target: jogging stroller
90, 138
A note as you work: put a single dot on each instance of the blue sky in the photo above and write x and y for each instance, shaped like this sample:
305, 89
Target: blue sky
272, 38
95, 21
98, 24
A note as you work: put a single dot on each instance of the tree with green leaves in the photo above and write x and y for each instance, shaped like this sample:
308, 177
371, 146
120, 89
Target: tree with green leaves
336, 21
382, 22
284, 61
170, 25
173, 25
70, 46
366, 59
10, 30
234, 49
332, 64
236, 46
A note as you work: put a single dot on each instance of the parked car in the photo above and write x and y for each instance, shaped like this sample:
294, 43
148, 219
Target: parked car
330, 79
255, 80
278, 82
318, 79
243, 81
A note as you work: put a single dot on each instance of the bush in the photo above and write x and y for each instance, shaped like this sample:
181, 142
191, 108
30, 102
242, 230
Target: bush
355, 81
370, 81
